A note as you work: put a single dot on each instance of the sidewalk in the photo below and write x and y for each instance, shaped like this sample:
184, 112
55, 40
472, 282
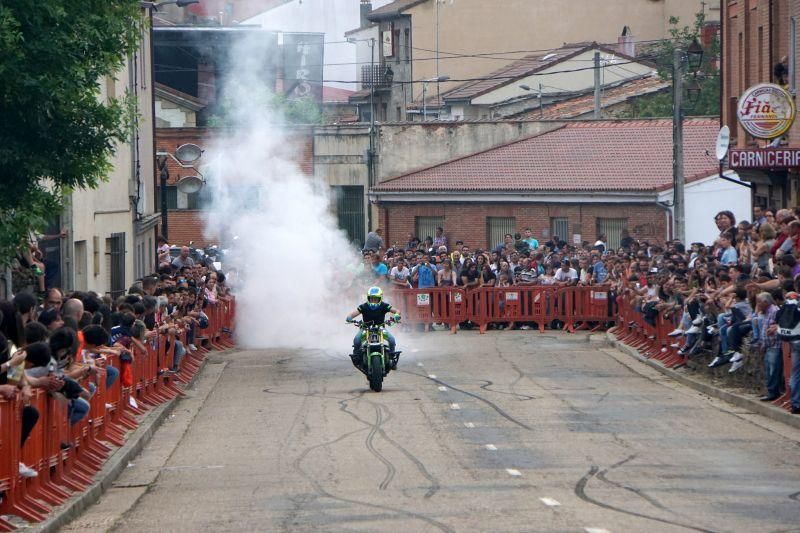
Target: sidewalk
701, 383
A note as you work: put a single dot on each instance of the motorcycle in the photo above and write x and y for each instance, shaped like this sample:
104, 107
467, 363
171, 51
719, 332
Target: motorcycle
377, 360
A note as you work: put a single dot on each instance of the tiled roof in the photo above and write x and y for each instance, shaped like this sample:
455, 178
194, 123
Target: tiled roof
332, 95
518, 69
584, 104
393, 8
629, 155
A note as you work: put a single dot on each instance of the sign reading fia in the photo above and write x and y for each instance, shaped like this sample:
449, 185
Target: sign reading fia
766, 110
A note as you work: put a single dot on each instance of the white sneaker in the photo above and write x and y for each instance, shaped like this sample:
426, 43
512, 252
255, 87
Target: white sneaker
712, 330
674, 345
698, 321
525, 327
736, 357
693, 330
192, 347
109, 406
736, 366
714, 363
26, 471
675, 332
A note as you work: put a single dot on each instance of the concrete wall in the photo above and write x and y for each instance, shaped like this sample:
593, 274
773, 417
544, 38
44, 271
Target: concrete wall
404, 148
172, 115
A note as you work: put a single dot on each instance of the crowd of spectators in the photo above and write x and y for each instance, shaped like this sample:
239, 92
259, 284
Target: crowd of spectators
63, 343
739, 291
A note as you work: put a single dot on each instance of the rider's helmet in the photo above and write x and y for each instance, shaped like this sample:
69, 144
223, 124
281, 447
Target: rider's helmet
374, 297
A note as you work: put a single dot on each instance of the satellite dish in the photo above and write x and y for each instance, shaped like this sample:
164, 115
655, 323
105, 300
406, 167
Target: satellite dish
190, 184
188, 153
548, 56
723, 141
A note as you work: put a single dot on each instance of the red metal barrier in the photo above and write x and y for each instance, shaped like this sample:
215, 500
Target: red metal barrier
66, 457
436, 305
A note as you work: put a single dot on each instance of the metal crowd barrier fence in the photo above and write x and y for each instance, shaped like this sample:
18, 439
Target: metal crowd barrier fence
653, 341
67, 457
569, 307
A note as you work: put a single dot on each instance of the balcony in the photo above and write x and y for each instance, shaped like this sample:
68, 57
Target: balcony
377, 76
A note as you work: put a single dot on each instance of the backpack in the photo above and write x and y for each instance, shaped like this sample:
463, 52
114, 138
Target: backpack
788, 320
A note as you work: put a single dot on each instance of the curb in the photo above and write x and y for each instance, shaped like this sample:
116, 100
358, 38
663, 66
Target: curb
115, 464
762, 408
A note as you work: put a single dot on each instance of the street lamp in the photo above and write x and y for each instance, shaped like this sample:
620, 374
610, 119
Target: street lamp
184, 156
691, 58
528, 88
155, 5
425, 92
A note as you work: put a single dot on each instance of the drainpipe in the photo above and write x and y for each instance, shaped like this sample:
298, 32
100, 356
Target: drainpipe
668, 214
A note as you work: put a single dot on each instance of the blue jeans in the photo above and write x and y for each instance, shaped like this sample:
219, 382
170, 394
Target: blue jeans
722, 324
794, 381
389, 337
773, 369
78, 408
112, 374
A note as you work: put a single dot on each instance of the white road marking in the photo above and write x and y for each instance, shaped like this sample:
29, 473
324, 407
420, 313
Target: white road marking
443, 389
470, 425
418, 364
491, 447
550, 502
455, 406
513, 472
432, 376
595, 530
415, 350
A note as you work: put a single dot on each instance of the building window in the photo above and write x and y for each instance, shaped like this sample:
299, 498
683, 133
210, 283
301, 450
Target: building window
172, 197
407, 44
194, 200
350, 211
399, 112
384, 111
792, 55
612, 229
496, 229
559, 227
426, 226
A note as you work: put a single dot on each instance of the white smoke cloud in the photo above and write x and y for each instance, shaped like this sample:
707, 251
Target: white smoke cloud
291, 259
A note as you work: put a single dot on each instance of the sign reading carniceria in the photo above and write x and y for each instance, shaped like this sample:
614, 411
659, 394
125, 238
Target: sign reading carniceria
766, 110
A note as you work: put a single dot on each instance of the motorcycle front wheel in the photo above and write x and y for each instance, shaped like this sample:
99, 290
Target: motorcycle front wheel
376, 373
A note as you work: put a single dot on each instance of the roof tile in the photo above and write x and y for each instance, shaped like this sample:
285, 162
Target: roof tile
632, 155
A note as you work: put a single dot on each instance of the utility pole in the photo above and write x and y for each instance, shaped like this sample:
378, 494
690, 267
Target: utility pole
541, 109
597, 85
679, 213
371, 153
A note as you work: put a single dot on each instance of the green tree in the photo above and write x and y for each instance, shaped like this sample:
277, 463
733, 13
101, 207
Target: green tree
56, 135
707, 77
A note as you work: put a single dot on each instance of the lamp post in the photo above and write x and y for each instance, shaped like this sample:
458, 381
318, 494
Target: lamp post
425, 83
692, 58
184, 156
528, 88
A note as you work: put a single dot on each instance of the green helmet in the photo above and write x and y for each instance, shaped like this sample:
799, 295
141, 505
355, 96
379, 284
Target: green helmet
374, 297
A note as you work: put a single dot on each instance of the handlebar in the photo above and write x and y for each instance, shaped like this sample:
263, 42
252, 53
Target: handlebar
360, 323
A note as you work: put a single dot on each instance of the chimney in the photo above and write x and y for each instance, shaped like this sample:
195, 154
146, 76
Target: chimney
366, 9
626, 43
206, 81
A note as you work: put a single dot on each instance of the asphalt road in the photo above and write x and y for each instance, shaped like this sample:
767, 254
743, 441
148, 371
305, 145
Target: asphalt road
511, 431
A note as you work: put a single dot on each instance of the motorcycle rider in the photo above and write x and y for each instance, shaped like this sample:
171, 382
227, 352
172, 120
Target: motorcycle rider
373, 312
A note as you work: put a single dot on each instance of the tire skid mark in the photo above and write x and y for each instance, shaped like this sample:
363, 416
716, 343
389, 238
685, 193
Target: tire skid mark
795, 496
601, 475
522, 397
580, 492
477, 397
298, 466
435, 484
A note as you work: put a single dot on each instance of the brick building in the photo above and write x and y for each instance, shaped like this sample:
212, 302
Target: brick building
184, 218
759, 45
577, 181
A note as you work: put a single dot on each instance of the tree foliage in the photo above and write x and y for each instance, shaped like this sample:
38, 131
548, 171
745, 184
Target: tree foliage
707, 77
56, 135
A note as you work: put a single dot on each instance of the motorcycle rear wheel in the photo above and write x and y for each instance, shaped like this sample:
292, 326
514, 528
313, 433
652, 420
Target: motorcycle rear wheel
376, 373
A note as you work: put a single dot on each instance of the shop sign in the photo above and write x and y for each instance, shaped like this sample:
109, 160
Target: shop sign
766, 110
765, 158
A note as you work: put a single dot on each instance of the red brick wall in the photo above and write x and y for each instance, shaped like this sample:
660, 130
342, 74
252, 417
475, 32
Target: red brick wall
752, 63
188, 225
467, 222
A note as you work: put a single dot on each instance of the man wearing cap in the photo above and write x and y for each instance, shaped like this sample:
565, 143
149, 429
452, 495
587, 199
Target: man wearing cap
566, 275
